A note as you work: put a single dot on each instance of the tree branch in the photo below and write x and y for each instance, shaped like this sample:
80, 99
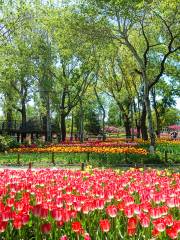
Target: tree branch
170, 51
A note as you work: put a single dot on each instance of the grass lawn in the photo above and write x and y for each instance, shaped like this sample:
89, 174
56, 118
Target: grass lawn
94, 159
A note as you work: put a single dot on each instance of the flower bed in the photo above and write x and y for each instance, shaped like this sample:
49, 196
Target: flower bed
79, 149
86, 144
141, 141
95, 204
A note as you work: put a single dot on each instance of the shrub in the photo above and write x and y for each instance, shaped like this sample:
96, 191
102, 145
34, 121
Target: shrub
7, 142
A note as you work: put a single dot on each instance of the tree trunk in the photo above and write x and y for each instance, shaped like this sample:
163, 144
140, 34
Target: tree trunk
103, 112
9, 113
158, 128
9, 120
132, 122
63, 127
127, 125
23, 121
143, 123
81, 133
48, 123
72, 126
103, 128
59, 125
150, 121
137, 117
63, 116
44, 120
138, 135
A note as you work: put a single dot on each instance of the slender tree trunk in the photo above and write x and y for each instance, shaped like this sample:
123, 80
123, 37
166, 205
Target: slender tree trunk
143, 123
132, 122
150, 121
158, 128
137, 117
44, 120
127, 125
81, 133
63, 116
103, 127
59, 124
63, 127
103, 112
9, 120
138, 135
72, 127
48, 123
23, 121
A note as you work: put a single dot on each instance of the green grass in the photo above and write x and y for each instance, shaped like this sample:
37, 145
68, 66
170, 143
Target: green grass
96, 160
41, 158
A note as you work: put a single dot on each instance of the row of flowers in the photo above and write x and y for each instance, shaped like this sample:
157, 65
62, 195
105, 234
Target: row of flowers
86, 144
141, 141
79, 149
98, 204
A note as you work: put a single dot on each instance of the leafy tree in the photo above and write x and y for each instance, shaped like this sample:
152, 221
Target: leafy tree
114, 118
131, 24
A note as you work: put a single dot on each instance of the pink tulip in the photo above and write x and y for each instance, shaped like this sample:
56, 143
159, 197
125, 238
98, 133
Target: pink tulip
111, 211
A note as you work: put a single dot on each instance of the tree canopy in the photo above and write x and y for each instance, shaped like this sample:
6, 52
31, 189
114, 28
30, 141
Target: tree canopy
124, 55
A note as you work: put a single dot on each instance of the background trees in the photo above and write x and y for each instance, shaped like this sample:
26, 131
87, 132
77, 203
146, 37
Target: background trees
122, 54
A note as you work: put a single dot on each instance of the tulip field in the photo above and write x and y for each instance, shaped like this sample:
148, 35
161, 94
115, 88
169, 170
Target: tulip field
91, 204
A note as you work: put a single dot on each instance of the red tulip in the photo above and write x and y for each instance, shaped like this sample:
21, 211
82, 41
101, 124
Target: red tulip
132, 222
77, 206
121, 206
77, 227
44, 213
6, 216
145, 221
39, 199
155, 213
17, 223
46, 228
155, 232
168, 220
131, 231
129, 211
164, 210
159, 225
86, 208
10, 202
25, 219
128, 200
3, 226
59, 202
171, 202
137, 209
105, 225
111, 211
60, 223
99, 203
176, 225
172, 233
66, 215
56, 214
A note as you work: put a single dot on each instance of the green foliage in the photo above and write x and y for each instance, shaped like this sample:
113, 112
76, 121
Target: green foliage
7, 142
92, 124
114, 116
52, 55
170, 116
